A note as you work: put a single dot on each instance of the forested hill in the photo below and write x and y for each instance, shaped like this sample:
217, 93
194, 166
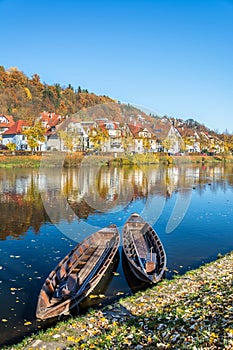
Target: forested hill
26, 98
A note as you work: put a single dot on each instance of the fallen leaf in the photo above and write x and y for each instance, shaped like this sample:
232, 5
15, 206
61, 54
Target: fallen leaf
92, 296
120, 293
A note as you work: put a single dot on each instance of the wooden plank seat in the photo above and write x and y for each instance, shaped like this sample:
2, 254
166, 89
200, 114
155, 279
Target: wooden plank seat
90, 263
140, 244
66, 289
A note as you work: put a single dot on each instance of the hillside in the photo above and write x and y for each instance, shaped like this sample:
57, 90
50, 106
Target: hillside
25, 98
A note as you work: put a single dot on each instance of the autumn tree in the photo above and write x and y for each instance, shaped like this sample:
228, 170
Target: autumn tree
11, 146
146, 143
25, 97
204, 142
35, 135
185, 142
127, 142
166, 143
71, 139
97, 137
227, 143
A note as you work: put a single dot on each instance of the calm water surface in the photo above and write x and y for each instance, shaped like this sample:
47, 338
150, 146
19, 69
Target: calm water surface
45, 213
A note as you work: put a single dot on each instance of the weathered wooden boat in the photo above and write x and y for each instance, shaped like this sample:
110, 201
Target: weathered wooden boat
143, 250
78, 273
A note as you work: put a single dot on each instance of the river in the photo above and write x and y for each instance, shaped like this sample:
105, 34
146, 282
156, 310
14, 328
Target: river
44, 213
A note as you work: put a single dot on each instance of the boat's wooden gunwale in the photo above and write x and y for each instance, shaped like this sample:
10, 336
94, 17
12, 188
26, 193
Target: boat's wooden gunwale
105, 244
135, 258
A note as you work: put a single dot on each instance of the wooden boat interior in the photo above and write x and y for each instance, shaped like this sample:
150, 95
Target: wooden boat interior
142, 249
75, 271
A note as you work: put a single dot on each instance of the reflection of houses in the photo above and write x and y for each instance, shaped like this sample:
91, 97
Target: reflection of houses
110, 185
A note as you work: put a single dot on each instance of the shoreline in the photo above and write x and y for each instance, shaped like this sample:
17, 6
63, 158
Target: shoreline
75, 159
190, 311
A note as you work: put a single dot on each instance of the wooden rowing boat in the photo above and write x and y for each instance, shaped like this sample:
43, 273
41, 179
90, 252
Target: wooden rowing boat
143, 250
78, 273
133, 282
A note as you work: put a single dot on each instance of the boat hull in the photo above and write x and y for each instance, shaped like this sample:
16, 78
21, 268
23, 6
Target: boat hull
143, 250
78, 273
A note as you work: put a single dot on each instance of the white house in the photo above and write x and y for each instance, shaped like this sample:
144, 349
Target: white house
15, 135
6, 121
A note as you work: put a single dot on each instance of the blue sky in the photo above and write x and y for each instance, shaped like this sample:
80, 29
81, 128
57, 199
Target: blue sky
171, 57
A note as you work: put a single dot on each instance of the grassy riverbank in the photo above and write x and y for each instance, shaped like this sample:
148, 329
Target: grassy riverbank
71, 160
193, 311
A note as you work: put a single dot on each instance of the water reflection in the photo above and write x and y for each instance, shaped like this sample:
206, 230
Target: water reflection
20, 203
33, 204
78, 193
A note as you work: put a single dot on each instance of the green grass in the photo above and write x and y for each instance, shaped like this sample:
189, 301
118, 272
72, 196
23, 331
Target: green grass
73, 160
29, 161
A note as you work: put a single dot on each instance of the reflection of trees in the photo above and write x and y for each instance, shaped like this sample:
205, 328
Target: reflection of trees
19, 213
112, 184
21, 205
82, 209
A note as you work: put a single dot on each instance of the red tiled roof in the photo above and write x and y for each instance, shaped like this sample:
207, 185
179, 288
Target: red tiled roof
104, 124
7, 124
51, 119
16, 128
135, 129
161, 128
